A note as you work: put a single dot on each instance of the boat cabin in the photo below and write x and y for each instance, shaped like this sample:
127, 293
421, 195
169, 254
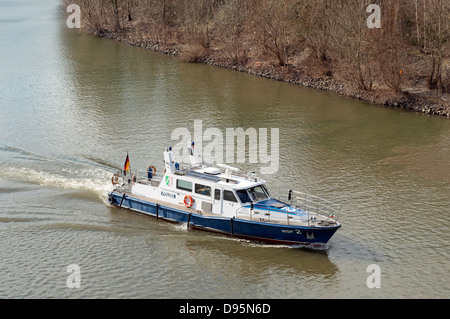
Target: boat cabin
205, 189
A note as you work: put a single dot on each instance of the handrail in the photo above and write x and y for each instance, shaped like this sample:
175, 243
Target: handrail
141, 176
312, 204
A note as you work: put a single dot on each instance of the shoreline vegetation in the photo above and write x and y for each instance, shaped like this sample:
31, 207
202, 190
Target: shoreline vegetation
321, 44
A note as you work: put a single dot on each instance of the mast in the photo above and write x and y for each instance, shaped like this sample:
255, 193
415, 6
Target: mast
193, 154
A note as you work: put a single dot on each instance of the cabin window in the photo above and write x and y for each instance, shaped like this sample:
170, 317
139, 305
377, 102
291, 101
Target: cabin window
203, 190
229, 196
243, 196
217, 194
266, 190
184, 185
257, 193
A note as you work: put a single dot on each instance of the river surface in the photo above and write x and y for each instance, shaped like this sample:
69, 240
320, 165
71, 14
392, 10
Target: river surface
73, 105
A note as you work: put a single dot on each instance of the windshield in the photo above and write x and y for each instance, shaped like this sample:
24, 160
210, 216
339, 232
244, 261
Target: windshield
243, 196
257, 193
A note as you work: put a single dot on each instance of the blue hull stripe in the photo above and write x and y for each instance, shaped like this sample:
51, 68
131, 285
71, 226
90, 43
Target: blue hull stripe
262, 231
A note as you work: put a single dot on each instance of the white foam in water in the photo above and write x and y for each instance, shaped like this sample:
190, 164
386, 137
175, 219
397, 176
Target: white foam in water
95, 179
181, 226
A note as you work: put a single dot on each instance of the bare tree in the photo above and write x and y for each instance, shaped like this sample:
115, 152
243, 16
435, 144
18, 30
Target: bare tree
116, 13
349, 42
315, 21
197, 22
437, 32
92, 16
274, 32
389, 46
230, 25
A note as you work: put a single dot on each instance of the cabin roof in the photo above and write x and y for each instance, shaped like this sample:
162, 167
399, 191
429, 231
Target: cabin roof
201, 175
233, 181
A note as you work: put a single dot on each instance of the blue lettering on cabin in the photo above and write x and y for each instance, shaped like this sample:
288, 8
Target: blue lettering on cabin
168, 194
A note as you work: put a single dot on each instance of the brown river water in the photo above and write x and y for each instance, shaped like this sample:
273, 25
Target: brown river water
73, 105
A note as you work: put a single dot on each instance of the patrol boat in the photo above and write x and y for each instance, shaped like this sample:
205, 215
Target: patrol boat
223, 200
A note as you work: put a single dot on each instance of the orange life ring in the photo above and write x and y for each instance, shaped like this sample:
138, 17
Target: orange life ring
153, 169
188, 201
114, 179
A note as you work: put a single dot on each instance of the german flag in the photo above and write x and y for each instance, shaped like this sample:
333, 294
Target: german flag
126, 166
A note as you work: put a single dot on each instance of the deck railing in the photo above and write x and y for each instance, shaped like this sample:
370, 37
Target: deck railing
312, 204
307, 203
140, 176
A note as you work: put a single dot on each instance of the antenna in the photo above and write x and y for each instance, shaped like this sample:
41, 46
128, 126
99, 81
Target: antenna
189, 136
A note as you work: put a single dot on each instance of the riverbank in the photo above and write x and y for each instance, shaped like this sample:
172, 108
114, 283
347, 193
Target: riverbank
400, 65
415, 99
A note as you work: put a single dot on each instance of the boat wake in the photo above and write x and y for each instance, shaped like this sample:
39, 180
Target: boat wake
57, 171
92, 179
